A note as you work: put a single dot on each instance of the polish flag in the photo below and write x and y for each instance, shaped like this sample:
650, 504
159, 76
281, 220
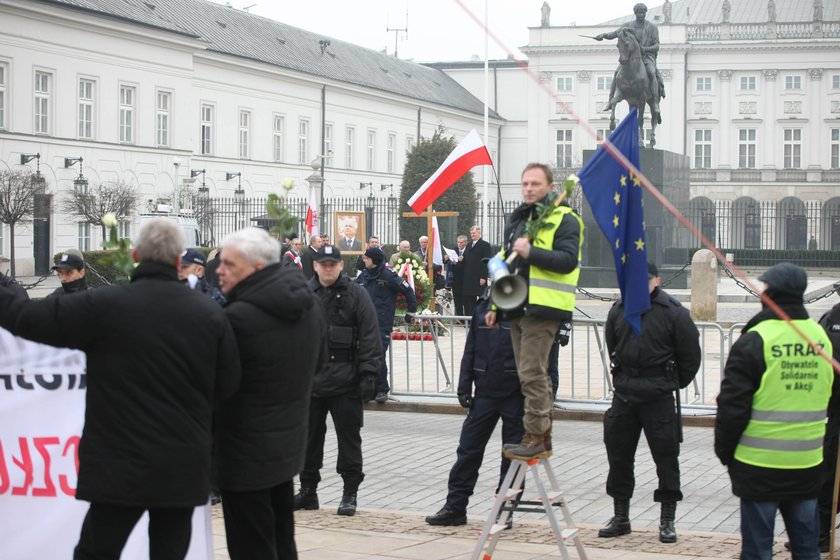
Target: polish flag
407, 273
466, 155
437, 253
312, 216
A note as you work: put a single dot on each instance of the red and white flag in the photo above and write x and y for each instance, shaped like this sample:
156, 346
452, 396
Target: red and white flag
466, 155
437, 252
312, 216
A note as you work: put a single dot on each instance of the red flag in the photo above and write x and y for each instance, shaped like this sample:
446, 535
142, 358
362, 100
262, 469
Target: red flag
466, 155
312, 216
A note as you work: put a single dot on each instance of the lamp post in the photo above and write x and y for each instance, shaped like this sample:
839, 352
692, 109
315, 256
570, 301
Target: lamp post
238, 195
80, 184
38, 181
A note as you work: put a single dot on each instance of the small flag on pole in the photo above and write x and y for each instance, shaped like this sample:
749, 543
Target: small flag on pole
466, 155
312, 215
437, 253
615, 195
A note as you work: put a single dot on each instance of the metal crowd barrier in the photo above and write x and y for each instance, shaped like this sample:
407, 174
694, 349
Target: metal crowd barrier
427, 362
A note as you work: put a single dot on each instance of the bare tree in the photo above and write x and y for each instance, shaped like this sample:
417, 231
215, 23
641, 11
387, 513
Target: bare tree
94, 202
17, 202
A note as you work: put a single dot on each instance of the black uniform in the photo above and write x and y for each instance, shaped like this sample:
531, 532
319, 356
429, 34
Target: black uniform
831, 323
74, 287
644, 392
382, 285
354, 352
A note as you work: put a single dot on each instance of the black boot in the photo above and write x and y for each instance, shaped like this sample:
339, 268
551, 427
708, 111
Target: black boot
667, 533
348, 504
306, 498
620, 522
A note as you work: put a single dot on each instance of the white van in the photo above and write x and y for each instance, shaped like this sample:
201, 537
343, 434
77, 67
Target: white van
185, 219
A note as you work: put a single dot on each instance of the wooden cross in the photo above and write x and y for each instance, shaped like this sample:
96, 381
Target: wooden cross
430, 251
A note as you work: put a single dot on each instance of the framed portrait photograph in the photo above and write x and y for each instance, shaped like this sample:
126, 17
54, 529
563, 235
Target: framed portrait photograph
350, 233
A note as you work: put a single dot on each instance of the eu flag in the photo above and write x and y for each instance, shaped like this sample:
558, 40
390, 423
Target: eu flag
615, 195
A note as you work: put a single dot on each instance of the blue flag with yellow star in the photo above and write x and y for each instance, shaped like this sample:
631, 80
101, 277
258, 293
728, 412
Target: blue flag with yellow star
615, 196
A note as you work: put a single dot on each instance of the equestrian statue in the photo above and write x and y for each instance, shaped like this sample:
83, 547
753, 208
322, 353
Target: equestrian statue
637, 79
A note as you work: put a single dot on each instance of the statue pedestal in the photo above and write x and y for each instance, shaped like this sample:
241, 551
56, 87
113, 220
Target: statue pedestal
668, 172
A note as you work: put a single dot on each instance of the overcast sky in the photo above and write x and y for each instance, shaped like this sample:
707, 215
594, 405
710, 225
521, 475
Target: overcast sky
438, 30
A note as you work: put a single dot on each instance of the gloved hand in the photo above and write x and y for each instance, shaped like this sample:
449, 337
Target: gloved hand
564, 332
465, 400
409, 318
367, 387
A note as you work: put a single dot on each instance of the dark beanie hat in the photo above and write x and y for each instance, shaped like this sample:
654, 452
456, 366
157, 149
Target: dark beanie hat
786, 278
375, 254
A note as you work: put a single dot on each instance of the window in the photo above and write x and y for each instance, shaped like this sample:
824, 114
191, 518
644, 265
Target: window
792, 148
86, 108
127, 100
702, 148
371, 150
244, 134
163, 102
746, 148
564, 148
747, 83
703, 83
84, 236
604, 83
835, 148
564, 83
409, 143
279, 125
601, 134
392, 150
349, 140
793, 82
3, 72
303, 141
124, 229
328, 145
206, 129
43, 83
835, 81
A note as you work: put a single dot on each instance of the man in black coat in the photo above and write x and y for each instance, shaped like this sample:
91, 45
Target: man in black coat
344, 383
475, 269
307, 256
71, 272
455, 268
157, 357
647, 369
383, 285
261, 430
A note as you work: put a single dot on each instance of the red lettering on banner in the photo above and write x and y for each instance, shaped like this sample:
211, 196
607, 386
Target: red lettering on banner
62, 479
51, 453
41, 444
25, 466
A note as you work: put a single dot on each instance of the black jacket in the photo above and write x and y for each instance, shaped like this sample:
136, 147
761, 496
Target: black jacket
742, 376
73, 287
157, 356
354, 342
382, 285
307, 257
830, 321
474, 267
668, 333
562, 258
488, 361
261, 430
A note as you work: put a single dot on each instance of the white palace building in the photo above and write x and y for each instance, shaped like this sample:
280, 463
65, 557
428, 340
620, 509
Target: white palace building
193, 94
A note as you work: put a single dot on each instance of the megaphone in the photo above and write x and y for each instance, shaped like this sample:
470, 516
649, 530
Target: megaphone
508, 291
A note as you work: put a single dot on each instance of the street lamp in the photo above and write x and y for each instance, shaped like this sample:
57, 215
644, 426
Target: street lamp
38, 182
195, 173
80, 184
239, 192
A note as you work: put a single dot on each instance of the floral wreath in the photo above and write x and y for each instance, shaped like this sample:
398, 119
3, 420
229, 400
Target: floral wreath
420, 280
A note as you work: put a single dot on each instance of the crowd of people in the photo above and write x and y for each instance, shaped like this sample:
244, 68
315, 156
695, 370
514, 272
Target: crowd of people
228, 364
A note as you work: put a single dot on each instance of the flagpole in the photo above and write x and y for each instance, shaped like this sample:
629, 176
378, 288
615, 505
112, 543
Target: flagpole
484, 198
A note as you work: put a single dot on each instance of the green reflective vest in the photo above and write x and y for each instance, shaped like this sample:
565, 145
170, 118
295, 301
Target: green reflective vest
553, 289
787, 423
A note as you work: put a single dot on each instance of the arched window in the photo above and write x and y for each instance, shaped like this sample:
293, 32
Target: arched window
830, 227
702, 214
745, 232
791, 224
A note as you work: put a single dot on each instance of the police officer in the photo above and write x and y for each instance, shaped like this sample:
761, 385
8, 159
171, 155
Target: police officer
192, 272
770, 422
646, 371
382, 285
345, 382
71, 272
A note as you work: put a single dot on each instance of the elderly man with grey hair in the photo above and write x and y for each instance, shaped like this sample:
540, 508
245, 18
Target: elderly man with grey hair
280, 327
158, 356
404, 247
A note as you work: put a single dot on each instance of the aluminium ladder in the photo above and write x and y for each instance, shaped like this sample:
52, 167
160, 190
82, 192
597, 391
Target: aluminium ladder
548, 498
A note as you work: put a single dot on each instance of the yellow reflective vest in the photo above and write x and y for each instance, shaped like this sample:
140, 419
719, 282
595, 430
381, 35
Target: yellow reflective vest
553, 289
787, 423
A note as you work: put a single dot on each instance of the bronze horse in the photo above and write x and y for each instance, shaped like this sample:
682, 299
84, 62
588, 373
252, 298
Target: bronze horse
632, 84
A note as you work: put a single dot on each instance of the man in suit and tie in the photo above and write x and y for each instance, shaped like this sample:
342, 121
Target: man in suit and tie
348, 241
456, 266
475, 269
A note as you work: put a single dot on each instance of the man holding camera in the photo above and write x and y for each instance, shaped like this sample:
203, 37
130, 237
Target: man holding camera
647, 369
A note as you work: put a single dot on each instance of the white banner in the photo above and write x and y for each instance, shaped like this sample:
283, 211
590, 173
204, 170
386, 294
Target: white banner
42, 404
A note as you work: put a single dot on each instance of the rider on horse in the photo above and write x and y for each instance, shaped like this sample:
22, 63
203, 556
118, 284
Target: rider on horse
648, 36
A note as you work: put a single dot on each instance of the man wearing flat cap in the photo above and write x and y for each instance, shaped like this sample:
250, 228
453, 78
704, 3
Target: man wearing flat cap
383, 285
71, 272
771, 413
646, 371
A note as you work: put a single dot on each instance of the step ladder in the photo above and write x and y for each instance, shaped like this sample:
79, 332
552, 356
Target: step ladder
508, 500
